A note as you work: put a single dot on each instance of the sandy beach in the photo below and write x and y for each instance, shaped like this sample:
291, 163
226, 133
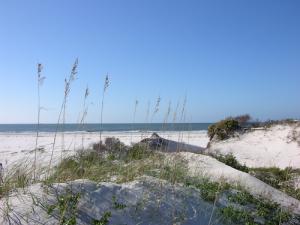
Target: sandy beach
19, 147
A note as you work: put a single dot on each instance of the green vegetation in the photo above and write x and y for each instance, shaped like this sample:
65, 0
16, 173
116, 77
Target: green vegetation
261, 212
117, 205
92, 165
209, 190
104, 219
137, 152
16, 178
230, 160
66, 208
174, 172
278, 178
223, 129
275, 177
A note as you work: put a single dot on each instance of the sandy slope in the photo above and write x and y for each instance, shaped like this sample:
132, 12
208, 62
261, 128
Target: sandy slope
202, 165
264, 148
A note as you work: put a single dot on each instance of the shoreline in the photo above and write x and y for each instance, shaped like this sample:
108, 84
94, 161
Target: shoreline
20, 147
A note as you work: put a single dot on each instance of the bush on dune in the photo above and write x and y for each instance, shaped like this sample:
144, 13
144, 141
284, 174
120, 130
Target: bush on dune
226, 128
223, 129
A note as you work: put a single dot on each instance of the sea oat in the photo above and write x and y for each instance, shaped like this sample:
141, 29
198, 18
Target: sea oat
68, 82
40, 82
106, 85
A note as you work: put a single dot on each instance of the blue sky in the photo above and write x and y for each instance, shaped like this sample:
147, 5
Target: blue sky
228, 57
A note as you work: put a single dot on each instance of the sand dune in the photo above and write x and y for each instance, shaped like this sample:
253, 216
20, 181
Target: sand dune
277, 146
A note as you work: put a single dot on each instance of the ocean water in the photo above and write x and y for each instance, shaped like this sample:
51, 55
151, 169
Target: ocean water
18, 128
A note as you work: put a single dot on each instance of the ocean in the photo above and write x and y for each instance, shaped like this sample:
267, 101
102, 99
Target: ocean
19, 128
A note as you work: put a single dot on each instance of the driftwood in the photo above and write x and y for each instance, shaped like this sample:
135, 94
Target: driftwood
155, 142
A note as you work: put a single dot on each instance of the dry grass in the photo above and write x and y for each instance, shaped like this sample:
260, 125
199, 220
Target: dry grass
40, 81
106, 85
67, 90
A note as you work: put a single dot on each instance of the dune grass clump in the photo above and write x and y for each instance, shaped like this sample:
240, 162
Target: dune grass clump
273, 176
16, 178
65, 208
261, 211
281, 179
174, 172
121, 165
230, 160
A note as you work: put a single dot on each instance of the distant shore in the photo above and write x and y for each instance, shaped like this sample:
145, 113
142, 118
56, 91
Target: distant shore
94, 127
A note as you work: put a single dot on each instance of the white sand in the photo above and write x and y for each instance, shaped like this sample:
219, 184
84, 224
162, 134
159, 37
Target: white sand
19, 147
264, 148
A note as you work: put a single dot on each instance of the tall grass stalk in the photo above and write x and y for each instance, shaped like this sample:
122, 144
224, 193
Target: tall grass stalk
148, 112
146, 120
156, 108
84, 114
175, 112
40, 80
155, 111
166, 118
182, 120
214, 205
81, 121
68, 83
63, 120
133, 120
144, 130
106, 85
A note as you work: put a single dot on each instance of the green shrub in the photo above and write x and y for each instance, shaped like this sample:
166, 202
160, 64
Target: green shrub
16, 178
230, 160
223, 129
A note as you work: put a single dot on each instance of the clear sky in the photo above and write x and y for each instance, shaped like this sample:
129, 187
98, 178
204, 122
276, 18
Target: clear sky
228, 57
